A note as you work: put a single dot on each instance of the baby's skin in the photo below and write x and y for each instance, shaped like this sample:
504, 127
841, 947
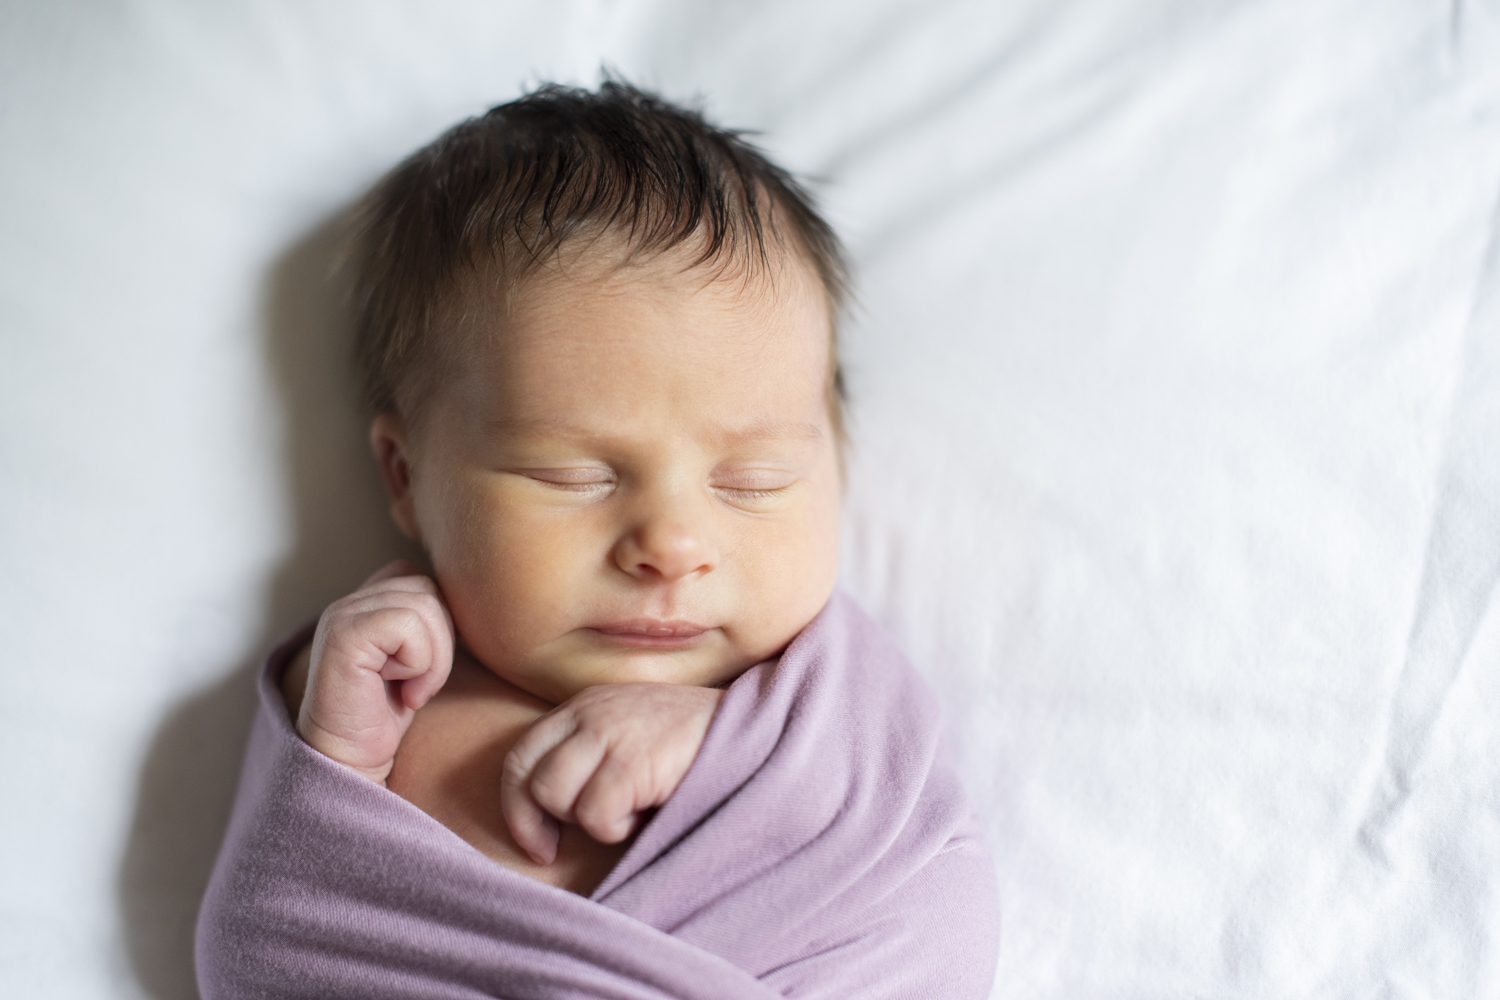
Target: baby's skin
629, 493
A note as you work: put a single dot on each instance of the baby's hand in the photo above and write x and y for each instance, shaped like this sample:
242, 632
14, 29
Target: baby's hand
600, 759
378, 655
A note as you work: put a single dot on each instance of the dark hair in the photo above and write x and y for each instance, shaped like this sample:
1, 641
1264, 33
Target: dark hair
511, 187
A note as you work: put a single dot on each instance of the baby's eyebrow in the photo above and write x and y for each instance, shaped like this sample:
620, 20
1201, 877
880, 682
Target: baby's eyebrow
770, 430
536, 425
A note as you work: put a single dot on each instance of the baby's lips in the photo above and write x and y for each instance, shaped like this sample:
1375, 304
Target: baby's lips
654, 628
652, 633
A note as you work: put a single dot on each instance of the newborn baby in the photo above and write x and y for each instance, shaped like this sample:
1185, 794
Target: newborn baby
598, 339
622, 461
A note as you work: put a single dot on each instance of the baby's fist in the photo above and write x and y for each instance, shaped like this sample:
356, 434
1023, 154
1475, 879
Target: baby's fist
600, 759
378, 655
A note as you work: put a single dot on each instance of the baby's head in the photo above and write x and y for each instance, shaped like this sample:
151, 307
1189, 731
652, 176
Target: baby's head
597, 335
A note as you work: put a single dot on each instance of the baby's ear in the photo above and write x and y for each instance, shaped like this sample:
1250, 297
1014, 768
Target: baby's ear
388, 441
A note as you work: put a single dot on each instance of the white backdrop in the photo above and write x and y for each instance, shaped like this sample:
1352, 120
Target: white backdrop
1178, 440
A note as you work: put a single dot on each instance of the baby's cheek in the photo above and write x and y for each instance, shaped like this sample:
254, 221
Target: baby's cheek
517, 586
789, 571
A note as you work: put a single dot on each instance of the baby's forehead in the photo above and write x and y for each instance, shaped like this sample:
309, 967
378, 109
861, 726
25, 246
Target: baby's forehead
591, 290
608, 334
699, 305
739, 321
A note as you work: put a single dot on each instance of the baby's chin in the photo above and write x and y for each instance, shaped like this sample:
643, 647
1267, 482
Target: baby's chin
585, 658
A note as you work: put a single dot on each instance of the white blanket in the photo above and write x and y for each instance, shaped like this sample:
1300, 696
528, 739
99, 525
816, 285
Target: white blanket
1177, 468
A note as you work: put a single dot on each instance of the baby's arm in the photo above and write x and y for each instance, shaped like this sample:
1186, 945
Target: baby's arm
600, 759
378, 655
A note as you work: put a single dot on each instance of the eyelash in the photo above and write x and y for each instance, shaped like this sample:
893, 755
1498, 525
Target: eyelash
746, 495
578, 487
754, 494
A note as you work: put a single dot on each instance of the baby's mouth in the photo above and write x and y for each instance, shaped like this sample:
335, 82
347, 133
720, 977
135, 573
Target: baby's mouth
650, 633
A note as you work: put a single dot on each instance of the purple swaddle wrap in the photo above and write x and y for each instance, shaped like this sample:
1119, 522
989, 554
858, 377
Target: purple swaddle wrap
820, 846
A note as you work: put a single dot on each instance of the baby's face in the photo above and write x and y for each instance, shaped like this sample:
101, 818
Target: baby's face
635, 478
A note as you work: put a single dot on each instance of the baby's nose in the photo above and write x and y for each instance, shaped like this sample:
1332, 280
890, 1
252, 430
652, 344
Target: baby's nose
666, 549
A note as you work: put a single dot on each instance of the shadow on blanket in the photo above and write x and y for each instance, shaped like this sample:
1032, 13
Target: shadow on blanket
342, 533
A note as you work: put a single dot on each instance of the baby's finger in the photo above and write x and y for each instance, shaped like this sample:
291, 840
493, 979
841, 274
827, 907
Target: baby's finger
399, 639
418, 690
361, 642
422, 588
607, 806
561, 774
422, 684
534, 831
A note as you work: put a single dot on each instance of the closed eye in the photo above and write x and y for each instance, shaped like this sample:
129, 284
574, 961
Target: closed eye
585, 481
754, 489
